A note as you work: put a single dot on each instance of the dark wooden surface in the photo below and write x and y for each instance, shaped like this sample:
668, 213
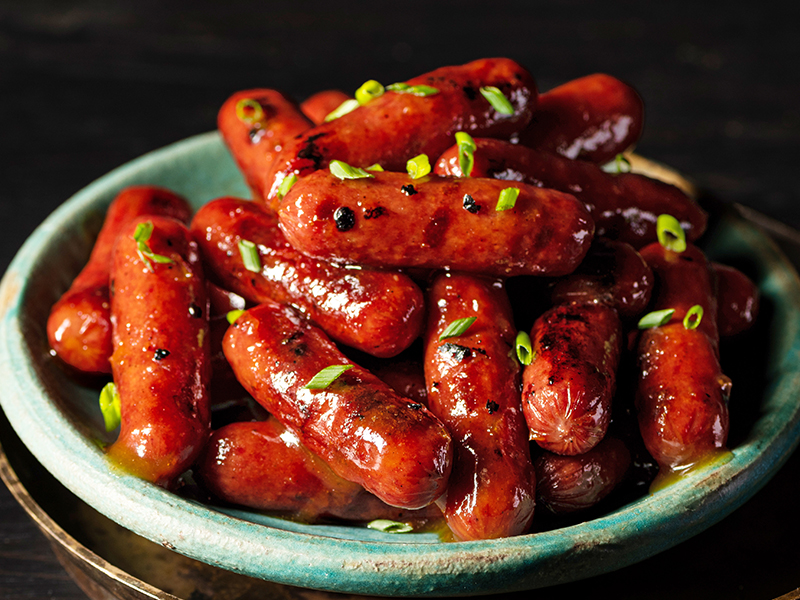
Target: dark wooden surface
88, 85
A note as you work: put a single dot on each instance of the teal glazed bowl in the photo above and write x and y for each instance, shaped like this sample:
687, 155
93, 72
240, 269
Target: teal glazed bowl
58, 420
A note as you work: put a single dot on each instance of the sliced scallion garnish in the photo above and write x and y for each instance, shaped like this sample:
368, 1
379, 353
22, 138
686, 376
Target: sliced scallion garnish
375, 167
670, 233
693, 317
286, 185
620, 164
457, 328
507, 199
497, 99
345, 107
414, 90
419, 166
524, 348
141, 235
344, 171
326, 376
233, 315
656, 318
250, 256
110, 406
369, 90
249, 111
466, 149
387, 526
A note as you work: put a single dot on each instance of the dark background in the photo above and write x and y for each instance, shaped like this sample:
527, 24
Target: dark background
86, 86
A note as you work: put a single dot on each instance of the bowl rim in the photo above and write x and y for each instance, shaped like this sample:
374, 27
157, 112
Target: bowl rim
401, 567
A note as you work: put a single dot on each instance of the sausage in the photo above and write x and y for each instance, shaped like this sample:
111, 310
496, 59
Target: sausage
255, 125
682, 394
592, 118
161, 359
473, 387
379, 312
624, 206
391, 220
406, 377
363, 430
566, 484
264, 465
568, 387
395, 127
321, 104
79, 325
737, 300
612, 273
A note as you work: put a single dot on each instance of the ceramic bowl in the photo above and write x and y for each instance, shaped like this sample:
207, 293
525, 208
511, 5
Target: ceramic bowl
58, 420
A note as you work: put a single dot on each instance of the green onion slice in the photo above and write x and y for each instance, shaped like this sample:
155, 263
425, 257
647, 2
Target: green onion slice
141, 235
414, 90
693, 317
369, 90
507, 199
670, 233
344, 171
524, 348
656, 318
344, 108
326, 376
286, 185
498, 101
375, 167
249, 111
620, 164
233, 315
387, 526
419, 166
250, 256
466, 149
110, 406
457, 328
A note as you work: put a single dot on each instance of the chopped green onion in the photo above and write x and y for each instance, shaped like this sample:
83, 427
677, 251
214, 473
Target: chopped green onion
498, 101
670, 233
620, 164
141, 235
345, 107
249, 111
369, 90
457, 328
250, 256
326, 376
286, 185
507, 199
656, 318
693, 317
344, 171
110, 406
233, 315
466, 149
414, 90
524, 348
419, 166
375, 167
387, 526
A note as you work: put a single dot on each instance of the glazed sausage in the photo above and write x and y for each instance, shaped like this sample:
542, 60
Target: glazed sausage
473, 387
395, 127
321, 104
255, 125
406, 377
79, 325
682, 394
379, 312
264, 465
566, 484
624, 206
366, 432
391, 220
161, 359
737, 300
592, 118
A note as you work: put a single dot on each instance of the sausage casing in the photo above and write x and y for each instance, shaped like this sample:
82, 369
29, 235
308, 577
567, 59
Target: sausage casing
737, 300
473, 387
365, 431
161, 359
321, 104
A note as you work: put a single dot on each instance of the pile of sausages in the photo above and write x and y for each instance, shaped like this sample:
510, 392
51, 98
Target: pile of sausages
349, 262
